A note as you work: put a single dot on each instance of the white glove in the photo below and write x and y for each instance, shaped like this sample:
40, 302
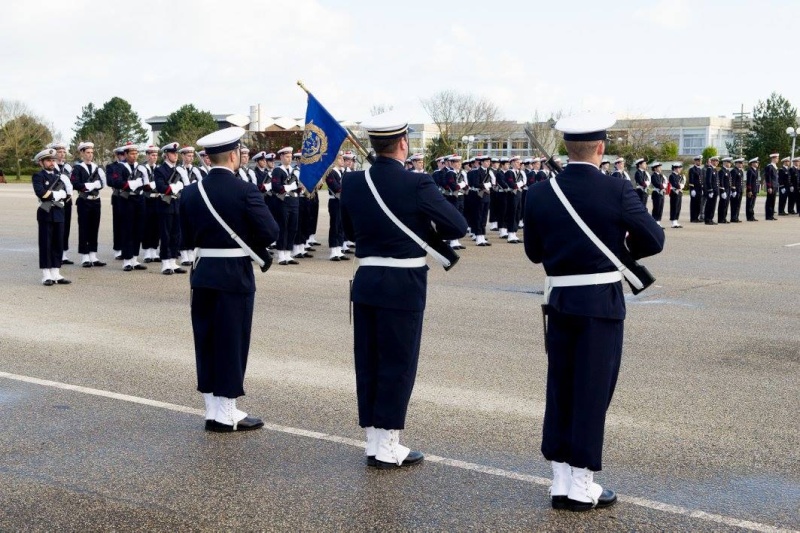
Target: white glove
791, 189
176, 187
711, 195
724, 195
733, 194
783, 190
97, 185
693, 193
134, 184
90, 186
59, 195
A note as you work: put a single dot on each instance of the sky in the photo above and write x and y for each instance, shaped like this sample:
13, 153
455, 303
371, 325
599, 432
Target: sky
645, 58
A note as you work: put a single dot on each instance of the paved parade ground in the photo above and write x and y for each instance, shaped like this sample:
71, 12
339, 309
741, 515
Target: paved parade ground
103, 429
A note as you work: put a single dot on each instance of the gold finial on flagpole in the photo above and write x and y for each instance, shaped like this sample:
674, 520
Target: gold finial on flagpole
300, 83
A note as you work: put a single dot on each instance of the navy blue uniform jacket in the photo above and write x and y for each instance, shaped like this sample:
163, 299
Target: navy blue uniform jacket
242, 207
415, 200
554, 239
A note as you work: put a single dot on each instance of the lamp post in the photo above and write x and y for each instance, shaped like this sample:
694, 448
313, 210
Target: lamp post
792, 132
469, 139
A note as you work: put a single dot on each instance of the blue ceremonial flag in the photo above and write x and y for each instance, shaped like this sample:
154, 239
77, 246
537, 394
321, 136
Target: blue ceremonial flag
321, 142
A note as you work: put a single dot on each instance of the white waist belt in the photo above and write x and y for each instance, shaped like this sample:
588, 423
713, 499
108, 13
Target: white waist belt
579, 280
219, 252
414, 262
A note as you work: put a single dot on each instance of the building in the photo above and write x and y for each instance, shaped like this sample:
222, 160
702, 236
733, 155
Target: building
223, 121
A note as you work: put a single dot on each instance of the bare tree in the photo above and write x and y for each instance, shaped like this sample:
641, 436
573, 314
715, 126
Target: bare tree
544, 131
459, 114
22, 134
378, 109
641, 138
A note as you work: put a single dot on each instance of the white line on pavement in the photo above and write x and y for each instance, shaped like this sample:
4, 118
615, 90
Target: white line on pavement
790, 245
641, 502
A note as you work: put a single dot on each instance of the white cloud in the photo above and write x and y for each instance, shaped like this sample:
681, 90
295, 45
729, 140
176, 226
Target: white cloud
666, 14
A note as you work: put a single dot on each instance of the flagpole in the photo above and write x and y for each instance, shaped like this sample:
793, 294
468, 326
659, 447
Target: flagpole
350, 136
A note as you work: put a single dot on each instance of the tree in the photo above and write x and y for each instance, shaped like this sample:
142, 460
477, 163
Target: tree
642, 138
187, 124
708, 152
768, 130
669, 151
545, 133
113, 124
435, 149
459, 114
22, 134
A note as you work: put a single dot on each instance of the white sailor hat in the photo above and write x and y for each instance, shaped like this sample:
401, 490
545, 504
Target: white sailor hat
557, 160
125, 147
504, 159
150, 149
259, 155
753, 160
535, 160
285, 150
47, 153
713, 158
221, 141
605, 162
57, 145
640, 160
186, 150
244, 150
785, 159
527, 161
698, 158
349, 155
619, 160
796, 159
586, 126
655, 164
454, 157
514, 158
440, 158
171, 147
84, 145
774, 155
297, 155
417, 157
495, 160
119, 150
386, 125
739, 160
677, 165
270, 156
201, 153
727, 159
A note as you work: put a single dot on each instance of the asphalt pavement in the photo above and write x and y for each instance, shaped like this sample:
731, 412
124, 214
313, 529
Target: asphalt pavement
103, 428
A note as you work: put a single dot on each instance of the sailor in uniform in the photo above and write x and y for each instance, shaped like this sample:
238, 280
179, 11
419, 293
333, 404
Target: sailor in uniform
696, 192
737, 186
585, 307
205, 163
619, 169
676, 185
724, 175
349, 166
794, 186
130, 206
116, 233
480, 188
88, 179
642, 179
753, 187
454, 186
333, 179
783, 186
418, 162
502, 193
244, 171
50, 187
169, 184
711, 188
305, 218
222, 280
659, 188
389, 287
65, 169
604, 167
514, 179
771, 185
285, 187
150, 233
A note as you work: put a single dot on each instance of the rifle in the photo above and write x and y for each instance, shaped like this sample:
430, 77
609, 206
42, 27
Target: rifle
171, 181
552, 162
433, 238
57, 185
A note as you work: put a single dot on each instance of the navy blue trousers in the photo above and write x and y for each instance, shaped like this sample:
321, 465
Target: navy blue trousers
170, 234
130, 217
386, 347
335, 231
221, 322
51, 236
88, 224
584, 355
150, 236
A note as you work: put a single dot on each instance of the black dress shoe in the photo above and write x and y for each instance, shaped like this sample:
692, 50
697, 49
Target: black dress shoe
139, 267
117, 258
344, 258
186, 263
127, 268
86, 264
606, 499
304, 255
559, 502
284, 262
335, 258
167, 272
48, 283
247, 424
148, 260
67, 262
98, 263
63, 281
315, 244
413, 458
348, 252
179, 270
156, 260
292, 262
371, 461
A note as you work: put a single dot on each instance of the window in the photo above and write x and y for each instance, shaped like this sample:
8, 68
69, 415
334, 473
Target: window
693, 143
